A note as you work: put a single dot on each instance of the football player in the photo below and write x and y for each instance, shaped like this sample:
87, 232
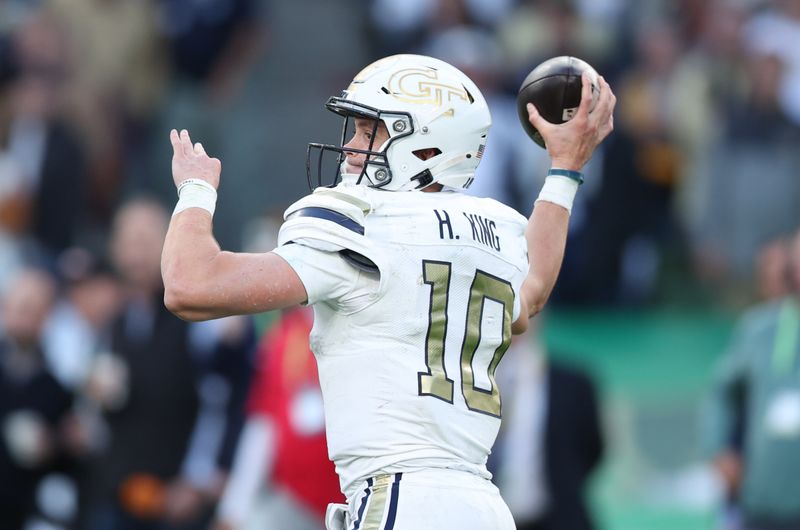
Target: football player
416, 288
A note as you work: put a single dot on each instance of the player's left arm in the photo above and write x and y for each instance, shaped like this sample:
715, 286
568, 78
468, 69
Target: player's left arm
200, 280
570, 146
546, 237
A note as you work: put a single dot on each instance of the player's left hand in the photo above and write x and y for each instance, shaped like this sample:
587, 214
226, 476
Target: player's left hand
191, 161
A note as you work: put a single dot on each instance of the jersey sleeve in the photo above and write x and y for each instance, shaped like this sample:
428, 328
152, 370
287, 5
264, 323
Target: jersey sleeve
323, 239
325, 274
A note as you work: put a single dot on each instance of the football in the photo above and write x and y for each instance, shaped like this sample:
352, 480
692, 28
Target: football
554, 87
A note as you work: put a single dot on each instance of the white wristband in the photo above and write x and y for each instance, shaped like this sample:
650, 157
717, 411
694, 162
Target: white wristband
196, 193
559, 190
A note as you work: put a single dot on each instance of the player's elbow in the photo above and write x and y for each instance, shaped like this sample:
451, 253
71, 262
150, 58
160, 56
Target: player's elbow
181, 300
175, 299
536, 307
533, 299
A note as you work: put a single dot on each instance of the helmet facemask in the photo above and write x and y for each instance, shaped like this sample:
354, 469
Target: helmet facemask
376, 171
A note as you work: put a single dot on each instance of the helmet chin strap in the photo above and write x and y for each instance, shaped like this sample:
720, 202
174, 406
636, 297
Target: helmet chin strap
438, 169
444, 165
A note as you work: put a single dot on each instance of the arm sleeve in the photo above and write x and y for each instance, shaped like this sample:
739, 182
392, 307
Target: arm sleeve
326, 276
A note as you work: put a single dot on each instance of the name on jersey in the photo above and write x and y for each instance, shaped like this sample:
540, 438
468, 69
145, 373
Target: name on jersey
482, 228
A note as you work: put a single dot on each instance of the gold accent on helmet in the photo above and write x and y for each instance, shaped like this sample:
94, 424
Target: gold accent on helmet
420, 86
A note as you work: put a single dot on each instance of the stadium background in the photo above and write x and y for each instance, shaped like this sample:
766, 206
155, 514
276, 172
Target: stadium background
708, 126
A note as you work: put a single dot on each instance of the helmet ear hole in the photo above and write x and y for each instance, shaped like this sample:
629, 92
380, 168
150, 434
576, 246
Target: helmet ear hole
427, 153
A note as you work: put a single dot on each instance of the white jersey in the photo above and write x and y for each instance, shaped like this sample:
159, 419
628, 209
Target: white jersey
407, 364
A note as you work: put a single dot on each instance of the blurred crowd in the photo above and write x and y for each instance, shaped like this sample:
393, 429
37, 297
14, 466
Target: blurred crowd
705, 95
115, 414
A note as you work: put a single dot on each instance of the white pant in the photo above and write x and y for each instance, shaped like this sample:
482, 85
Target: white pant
435, 499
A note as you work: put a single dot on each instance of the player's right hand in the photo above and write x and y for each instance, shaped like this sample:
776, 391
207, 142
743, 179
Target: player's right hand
571, 144
191, 161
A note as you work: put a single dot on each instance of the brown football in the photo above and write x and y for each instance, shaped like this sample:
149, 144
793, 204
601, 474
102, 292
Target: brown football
554, 87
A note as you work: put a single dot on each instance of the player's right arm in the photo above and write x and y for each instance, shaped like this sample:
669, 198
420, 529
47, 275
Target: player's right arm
201, 281
570, 146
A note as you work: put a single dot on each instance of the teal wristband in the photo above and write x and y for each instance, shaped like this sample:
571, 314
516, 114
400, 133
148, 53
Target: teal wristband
577, 176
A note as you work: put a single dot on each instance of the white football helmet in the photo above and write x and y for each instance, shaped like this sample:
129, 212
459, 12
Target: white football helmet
425, 103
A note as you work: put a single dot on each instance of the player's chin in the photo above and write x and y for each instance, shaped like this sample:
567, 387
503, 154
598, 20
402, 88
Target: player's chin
350, 169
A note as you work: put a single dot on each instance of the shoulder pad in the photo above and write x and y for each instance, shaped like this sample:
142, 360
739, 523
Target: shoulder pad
330, 219
343, 201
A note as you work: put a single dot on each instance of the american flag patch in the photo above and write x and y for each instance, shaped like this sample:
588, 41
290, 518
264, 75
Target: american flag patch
481, 149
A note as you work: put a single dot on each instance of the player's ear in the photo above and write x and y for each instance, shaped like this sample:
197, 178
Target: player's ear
425, 154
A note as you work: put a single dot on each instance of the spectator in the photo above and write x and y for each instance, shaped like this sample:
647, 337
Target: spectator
754, 411
168, 392
623, 248
212, 49
283, 446
78, 328
709, 82
33, 404
536, 30
42, 163
773, 283
552, 440
773, 266
741, 213
403, 26
116, 72
776, 33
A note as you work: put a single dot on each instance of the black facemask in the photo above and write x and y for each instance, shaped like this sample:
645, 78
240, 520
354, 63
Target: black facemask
332, 165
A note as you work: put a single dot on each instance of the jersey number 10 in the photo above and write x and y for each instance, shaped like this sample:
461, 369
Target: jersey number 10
435, 382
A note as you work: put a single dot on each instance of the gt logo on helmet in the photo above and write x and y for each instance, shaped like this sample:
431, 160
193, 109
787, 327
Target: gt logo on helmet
421, 86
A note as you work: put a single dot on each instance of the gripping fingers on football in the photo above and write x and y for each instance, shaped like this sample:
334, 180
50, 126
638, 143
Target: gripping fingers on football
585, 106
605, 108
542, 125
533, 116
602, 118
